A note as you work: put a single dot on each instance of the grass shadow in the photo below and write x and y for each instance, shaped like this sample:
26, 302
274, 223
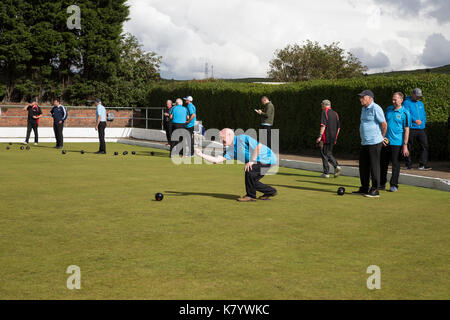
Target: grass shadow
329, 184
149, 154
79, 151
303, 188
204, 194
300, 175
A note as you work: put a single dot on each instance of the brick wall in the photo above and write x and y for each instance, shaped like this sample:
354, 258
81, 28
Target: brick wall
77, 117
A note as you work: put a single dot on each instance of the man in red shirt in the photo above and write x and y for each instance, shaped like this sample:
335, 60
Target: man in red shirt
329, 131
34, 113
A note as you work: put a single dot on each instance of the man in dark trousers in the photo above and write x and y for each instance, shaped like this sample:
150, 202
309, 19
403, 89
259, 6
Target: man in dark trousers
257, 157
167, 123
396, 142
59, 115
329, 132
190, 123
178, 116
100, 125
418, 114
372, 131
34, 113
267, 117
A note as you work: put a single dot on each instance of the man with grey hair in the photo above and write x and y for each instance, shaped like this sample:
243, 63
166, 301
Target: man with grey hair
372, 131
166, 122
257, 157
329, 132
178, 116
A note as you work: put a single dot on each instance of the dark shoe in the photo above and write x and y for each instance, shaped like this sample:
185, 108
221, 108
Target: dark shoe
59, 147
246, 199
267, 196
382, 188
100, 152
360, 191
424, 168
373, 193
408, 168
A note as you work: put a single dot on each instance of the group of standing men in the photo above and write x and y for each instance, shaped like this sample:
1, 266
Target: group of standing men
59, 115
178, 116
387, 135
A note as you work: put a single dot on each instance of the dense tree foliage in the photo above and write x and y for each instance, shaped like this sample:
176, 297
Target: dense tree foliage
40, 56
312, 61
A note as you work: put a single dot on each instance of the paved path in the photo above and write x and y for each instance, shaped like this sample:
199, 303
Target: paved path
440, 169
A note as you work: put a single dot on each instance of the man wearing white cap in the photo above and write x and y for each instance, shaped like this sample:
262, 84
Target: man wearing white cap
190, 123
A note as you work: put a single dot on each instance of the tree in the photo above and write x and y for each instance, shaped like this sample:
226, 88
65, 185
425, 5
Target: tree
136, 71
14, 44
135, 63
311, 61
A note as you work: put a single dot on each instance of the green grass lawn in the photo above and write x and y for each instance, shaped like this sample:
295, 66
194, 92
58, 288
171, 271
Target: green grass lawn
98, 212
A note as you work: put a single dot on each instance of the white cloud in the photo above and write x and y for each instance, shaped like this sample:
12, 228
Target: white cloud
240, 37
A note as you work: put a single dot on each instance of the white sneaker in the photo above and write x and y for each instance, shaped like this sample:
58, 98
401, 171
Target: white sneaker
326, 176
25, 143
35, 143
338, 172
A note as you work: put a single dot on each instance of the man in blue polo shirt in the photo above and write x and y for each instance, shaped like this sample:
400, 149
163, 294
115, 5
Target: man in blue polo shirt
190, 123
417, 132
257, 157
396, 142
372, 131
178, 116
100, 125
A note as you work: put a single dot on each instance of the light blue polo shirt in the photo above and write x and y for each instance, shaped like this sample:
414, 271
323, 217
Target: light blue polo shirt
371, 119
101, 112
179, 114
397, 121
192, 110
243, 148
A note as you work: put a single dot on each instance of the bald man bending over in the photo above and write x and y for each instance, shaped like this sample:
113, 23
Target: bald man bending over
257, 157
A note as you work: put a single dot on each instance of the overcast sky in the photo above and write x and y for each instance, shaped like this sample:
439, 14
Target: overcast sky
239, 37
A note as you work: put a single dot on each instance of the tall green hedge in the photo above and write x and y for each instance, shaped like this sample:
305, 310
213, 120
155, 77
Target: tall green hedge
224, 104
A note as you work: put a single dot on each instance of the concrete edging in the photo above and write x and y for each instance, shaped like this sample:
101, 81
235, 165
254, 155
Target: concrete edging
406, 179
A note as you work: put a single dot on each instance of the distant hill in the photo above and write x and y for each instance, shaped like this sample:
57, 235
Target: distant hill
441, 70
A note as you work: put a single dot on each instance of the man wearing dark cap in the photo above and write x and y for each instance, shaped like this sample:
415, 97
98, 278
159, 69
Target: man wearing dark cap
416, 109
100, 125
372, 131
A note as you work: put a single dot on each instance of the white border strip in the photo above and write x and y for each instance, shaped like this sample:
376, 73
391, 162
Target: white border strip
406, 179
